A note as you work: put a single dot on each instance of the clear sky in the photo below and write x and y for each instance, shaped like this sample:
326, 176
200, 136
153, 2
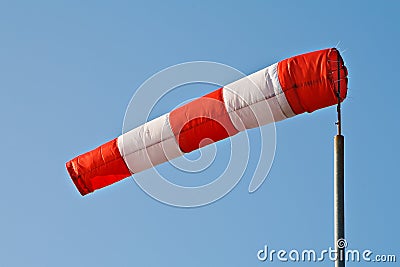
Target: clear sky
68, 70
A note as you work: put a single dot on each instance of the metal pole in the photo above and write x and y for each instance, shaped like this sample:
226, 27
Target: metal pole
340, 242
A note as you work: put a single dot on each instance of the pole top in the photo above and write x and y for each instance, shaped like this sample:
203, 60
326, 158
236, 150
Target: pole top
338, 109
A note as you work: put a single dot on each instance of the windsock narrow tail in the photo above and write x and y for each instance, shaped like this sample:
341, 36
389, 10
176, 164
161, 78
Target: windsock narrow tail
299, 84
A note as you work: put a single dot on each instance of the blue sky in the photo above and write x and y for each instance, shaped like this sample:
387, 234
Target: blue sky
68, 70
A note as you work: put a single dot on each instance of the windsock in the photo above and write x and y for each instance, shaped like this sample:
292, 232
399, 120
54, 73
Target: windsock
299, 84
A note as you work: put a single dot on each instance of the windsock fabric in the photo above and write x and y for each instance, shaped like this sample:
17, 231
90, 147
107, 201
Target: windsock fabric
299, 84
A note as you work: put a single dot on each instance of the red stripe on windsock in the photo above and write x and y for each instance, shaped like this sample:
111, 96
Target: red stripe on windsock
201, 122
309, 81
98, 168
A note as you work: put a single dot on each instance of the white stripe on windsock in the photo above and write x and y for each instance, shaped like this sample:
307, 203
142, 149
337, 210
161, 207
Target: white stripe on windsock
256, 100
148, 145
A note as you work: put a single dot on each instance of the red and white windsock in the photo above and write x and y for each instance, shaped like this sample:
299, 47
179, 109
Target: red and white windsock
290, 87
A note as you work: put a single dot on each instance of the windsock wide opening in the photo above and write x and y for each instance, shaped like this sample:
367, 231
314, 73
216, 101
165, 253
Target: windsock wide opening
310, 81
